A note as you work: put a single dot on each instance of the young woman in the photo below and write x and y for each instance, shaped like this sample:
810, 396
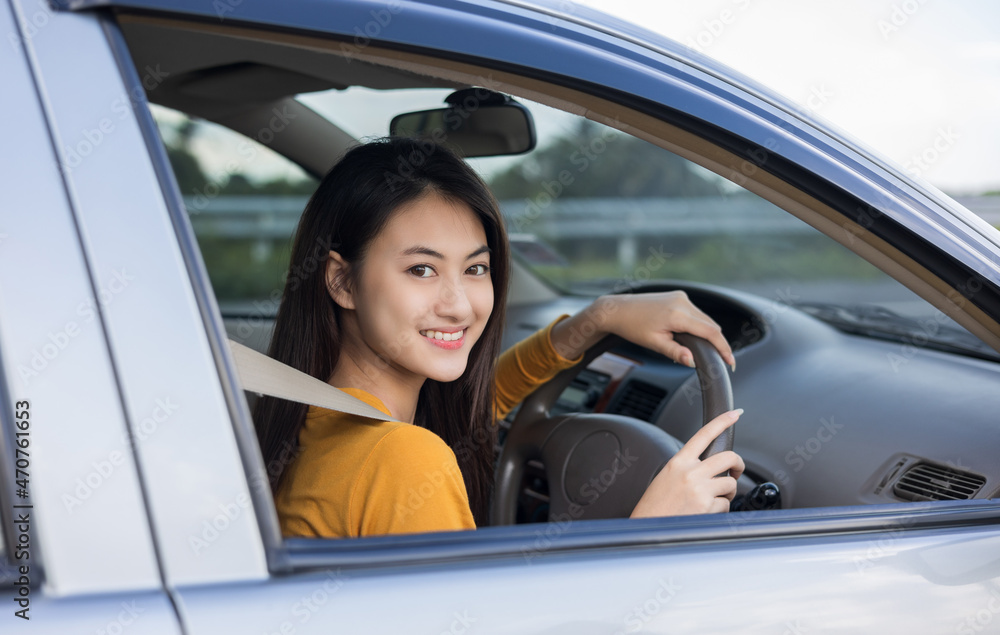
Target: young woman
407, 315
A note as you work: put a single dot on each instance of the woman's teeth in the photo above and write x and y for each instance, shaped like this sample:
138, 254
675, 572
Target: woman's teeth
440, 335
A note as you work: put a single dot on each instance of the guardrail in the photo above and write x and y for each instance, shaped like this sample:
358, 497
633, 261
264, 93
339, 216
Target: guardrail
275, 217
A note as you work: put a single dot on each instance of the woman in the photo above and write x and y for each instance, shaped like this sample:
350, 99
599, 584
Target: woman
407, 315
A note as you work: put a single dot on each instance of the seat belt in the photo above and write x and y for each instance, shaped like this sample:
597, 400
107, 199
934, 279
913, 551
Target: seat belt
262, 374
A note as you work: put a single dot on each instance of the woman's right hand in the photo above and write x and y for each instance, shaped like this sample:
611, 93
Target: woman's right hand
688, 485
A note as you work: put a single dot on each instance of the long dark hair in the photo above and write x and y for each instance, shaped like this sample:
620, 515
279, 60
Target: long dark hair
352, 204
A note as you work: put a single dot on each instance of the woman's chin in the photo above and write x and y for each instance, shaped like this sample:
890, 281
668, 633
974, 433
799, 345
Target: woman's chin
445, 373
446, 377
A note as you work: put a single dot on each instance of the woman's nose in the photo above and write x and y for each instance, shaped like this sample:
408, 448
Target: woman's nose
453, 301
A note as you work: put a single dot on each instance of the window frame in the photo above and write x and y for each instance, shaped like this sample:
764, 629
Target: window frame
789, 186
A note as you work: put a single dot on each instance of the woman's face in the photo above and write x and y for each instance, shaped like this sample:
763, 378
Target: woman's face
423, 293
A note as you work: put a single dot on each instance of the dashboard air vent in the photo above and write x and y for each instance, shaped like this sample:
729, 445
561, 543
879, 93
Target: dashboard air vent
639, 400
926, 482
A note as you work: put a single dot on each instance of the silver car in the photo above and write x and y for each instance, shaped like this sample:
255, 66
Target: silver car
156, 156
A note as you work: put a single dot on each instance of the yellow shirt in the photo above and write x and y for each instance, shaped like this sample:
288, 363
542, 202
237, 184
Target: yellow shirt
357, 477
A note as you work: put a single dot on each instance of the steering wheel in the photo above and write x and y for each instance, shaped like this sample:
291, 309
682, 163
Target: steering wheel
599, 465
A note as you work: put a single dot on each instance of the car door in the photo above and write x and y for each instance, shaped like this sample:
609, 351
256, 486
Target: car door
222, 557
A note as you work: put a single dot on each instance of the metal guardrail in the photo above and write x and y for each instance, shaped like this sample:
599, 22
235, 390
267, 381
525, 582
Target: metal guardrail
275, 217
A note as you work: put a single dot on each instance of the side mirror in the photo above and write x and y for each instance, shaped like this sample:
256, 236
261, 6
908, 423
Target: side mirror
477, 123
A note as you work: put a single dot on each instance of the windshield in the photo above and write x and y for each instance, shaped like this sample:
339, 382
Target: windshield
590, 210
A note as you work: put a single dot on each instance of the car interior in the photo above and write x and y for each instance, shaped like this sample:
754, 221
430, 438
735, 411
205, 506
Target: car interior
863, 380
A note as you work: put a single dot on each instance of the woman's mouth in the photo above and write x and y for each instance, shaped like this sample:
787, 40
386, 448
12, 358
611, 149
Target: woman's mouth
445, 339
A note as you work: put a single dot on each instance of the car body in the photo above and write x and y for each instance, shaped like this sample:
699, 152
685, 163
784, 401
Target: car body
149, 509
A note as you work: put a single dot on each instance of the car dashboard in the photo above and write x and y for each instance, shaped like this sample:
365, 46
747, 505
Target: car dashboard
833, 418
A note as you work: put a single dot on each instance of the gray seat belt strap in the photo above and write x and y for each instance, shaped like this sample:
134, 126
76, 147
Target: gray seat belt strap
259, 373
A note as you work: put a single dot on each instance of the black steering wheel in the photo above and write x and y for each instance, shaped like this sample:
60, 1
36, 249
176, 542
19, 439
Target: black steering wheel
599, 465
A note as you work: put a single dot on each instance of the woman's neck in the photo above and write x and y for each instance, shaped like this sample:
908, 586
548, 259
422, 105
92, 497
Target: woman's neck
358, 366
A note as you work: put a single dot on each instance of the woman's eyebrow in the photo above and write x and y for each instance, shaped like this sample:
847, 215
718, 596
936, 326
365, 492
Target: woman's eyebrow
423, 251
427, 251
482, 250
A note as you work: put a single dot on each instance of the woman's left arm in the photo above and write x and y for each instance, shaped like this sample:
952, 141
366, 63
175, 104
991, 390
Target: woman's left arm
647, 319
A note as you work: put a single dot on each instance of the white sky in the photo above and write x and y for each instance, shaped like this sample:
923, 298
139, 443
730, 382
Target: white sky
900, 75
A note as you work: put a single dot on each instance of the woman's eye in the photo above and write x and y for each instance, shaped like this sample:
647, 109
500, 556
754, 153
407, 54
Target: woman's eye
422, 271
478, 270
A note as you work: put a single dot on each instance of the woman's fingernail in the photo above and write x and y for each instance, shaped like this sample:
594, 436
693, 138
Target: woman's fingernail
690, 362
738, 411
733, 366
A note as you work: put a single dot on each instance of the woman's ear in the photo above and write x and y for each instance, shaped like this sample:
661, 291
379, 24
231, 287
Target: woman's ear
337, 280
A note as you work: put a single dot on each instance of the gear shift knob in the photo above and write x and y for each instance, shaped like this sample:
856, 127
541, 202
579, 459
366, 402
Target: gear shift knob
764, 496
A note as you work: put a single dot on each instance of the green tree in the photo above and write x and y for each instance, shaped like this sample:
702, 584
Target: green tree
596, 162
187, 169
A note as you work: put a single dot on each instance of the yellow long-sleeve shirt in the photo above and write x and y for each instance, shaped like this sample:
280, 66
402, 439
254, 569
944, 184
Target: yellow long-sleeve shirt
358, 477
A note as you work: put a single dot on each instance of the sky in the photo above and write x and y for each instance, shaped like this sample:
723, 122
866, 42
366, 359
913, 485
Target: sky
918, 81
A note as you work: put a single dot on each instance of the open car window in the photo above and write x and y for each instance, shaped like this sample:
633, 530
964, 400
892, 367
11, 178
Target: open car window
592, 210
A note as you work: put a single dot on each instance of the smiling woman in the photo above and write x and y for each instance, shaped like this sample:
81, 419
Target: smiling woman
359, 326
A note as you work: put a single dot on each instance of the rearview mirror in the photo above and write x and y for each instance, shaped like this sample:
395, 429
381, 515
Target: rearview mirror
477, 123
